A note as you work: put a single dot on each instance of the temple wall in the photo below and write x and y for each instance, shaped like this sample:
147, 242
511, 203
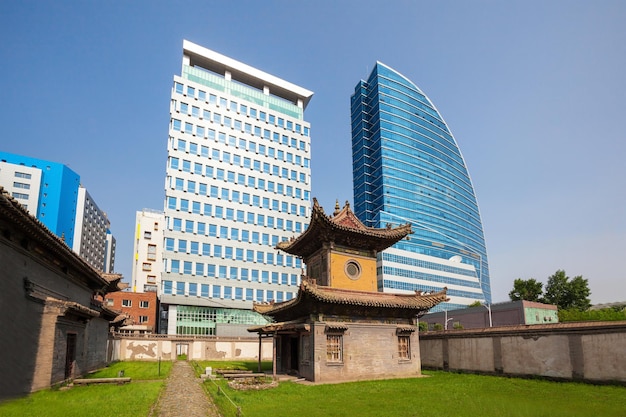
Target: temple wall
367, 280
588, 351
152, 347
35, 332
369, 351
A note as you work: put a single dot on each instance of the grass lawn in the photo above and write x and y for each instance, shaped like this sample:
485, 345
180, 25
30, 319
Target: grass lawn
128, 400
137, 371
439, 394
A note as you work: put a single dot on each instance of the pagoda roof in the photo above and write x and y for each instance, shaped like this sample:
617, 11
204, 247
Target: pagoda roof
312, 298
342, 228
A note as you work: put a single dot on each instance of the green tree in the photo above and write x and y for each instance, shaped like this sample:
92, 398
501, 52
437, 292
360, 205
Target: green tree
526, 289
566, 293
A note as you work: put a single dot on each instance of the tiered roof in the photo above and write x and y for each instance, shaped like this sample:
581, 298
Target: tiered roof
313, 298
342, 228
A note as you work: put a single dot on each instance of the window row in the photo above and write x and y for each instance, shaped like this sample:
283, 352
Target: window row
200, 188
196, 207
335, 348
209, 118
237, 177
204, 151
398, 285
426, 264
176, 266
229, 252
201, 228
233, 106
224, 292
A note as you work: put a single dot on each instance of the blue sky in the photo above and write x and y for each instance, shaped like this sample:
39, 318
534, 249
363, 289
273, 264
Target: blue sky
533, 91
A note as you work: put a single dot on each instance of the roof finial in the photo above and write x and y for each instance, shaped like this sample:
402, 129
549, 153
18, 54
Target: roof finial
337, 208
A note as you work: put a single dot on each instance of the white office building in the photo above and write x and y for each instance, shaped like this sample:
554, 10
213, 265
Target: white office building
23, 183
148, 251
238, 182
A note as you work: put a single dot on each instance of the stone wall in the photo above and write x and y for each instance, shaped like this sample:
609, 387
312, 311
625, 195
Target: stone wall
167, 347
370, 351
591, 351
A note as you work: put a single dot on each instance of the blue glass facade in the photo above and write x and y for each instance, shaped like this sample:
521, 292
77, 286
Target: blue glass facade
58, 194
407, 167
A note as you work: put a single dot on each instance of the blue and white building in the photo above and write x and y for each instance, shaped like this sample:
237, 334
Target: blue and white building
237, 182
408, 168
52, 192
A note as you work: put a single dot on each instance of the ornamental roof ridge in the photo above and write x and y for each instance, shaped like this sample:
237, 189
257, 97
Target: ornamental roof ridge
343, 222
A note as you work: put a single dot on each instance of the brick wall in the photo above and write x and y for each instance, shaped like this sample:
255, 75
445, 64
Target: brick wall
370, 351
137, 308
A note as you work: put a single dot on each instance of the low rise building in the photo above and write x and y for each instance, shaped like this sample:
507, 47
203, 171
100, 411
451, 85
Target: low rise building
140, 309
512, 313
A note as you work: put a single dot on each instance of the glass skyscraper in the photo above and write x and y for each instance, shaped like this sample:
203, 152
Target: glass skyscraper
407, 168
237, 183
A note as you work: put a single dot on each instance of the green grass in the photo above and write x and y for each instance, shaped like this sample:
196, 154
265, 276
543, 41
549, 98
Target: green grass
137, 371
438, 395
441, 394
128, 400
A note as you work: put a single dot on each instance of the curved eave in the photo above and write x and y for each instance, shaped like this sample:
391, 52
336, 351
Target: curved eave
328, 295
322, 228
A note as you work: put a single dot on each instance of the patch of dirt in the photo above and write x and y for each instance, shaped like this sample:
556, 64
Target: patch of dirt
256, 383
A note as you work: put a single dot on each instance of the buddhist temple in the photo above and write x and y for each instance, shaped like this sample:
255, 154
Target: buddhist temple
340, 327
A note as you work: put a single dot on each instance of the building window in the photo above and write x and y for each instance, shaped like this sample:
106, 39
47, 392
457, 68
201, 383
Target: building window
404, 347
147, 235
353, 269
144, 304
151, 279
24, 175
334, 348
127, 303
143, 319
151, 252
110, 302
146, 266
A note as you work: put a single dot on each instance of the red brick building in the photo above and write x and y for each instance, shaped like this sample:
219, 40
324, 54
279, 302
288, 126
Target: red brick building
141, 308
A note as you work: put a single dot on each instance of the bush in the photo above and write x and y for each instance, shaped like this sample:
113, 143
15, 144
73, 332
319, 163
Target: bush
605, 314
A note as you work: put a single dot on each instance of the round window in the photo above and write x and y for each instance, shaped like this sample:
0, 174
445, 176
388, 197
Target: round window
353, 269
